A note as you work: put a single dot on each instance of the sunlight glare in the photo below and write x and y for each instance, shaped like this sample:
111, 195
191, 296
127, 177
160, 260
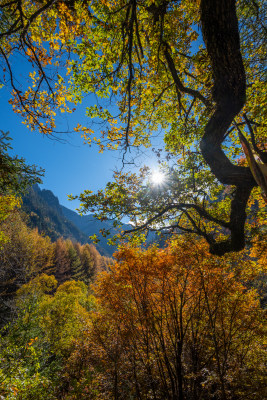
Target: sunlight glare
157, 177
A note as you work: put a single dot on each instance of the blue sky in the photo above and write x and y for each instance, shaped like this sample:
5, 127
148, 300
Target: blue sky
70, 167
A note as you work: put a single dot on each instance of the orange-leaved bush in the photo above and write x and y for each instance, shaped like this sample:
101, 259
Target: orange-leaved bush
175, 323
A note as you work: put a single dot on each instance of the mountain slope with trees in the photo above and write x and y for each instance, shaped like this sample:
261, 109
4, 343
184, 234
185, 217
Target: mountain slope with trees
45, 213
26, 254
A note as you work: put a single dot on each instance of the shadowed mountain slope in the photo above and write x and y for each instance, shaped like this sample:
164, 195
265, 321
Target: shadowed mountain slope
54, 220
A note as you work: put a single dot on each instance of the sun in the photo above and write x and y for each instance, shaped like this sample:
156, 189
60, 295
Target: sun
157, 178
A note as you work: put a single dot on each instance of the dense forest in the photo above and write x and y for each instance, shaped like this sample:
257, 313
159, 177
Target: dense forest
160, 324
27, 254
183, 318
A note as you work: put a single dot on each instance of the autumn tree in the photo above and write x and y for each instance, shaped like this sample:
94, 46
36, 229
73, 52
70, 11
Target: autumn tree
100, 263
65, 315
174, 324
24, 255
88, 266
192, 70
61, 261
7, 205
21, 251
22, 345
37, 345
74, 261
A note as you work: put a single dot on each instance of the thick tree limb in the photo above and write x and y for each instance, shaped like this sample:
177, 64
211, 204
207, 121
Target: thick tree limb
236, 240
221, 36
220, 33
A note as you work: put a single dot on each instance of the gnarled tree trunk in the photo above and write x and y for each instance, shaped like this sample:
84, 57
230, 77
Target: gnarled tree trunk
221, 36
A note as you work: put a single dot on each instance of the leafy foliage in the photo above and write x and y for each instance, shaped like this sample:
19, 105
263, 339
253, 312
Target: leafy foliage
32, 353
192, 71
162, 323
26, 254
7, 205
173, 323
15, 176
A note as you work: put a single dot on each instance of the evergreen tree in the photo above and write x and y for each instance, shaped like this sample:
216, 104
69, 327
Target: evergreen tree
76, 268
61, 261
88, 264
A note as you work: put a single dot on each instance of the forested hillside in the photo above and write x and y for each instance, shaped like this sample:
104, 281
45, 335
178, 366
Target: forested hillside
45, 213
55, 220
27, 254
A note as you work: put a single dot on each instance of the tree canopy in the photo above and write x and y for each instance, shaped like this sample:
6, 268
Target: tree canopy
191, 71
172, 323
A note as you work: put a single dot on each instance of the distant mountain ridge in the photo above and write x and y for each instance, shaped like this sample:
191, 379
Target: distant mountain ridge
89, 225
54, 220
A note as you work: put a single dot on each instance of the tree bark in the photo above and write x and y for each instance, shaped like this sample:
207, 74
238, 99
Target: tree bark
220, 33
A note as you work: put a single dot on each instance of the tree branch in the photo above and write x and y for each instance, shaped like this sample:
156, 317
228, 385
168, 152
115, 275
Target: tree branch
182, 207
178, 81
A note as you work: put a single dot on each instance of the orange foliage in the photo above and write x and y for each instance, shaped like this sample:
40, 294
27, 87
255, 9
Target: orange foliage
174, 323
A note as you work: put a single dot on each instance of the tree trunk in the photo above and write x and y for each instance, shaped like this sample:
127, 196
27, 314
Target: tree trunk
221, 36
